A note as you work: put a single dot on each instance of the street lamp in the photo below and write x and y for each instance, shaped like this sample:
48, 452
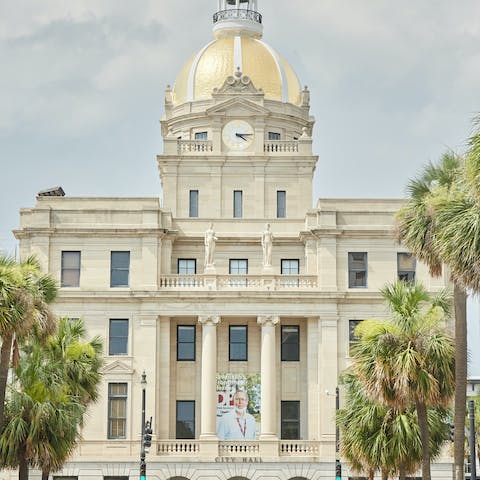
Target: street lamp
338, 465
143, 465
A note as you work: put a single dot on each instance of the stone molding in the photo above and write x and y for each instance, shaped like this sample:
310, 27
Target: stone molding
209, 320
268, 321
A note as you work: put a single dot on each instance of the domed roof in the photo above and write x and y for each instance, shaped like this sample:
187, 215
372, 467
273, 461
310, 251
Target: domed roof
209, 68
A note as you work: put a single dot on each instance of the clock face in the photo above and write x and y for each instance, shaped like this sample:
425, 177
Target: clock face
238, 135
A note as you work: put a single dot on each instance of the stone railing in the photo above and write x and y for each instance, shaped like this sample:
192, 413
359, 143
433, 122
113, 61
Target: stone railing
237, 13
238, 449
281, 146
194, 146
299, 448
178, 447
238, 282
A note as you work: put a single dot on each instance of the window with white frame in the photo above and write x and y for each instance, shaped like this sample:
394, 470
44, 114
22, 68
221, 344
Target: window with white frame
238, 267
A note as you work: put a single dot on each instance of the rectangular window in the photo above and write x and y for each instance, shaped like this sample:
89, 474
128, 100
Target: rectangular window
117, 410
290, 348
352, 338
238, 267
70, 269
187, 266
406, 264
290, 420
201, 136
237, 204
238, 351
118, 337
357, 270
281, 204
186, 342
119, 269
290, 267
274, 136
193, 205
185, 419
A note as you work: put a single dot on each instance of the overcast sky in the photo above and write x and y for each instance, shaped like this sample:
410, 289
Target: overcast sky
393, 84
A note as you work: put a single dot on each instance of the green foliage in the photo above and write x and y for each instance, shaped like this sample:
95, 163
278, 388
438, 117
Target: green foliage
55, 382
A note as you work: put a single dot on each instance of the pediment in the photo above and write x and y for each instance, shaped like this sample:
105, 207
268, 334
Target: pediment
238, 106
117, 367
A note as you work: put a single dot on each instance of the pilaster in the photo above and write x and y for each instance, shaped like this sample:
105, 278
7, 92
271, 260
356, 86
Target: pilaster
163, 362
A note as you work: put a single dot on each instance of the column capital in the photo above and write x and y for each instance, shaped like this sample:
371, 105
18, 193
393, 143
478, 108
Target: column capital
268, 320
211, 320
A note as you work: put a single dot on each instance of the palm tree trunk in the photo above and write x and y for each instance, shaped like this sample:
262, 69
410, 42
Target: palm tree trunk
5, 355
384, 474
371, 474
45, 474
402, 473
460, 303
22, 467
425, 438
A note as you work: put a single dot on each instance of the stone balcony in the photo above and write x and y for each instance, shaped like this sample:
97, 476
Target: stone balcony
239, 282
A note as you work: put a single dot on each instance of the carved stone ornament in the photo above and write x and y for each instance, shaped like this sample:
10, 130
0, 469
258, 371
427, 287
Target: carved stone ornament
236, 84
268, 321
209, 320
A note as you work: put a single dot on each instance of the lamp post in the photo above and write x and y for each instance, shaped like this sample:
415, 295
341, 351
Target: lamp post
473, 460
143, 465
338, 465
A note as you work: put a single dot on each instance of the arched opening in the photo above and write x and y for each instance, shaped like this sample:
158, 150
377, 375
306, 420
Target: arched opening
298, 478
238, 478
178, 478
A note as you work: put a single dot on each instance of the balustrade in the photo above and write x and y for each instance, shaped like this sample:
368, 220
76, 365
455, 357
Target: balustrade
240, 449
281, 146
194, 146
177, 447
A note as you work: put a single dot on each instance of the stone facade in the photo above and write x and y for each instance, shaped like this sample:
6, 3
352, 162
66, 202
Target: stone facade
199, 156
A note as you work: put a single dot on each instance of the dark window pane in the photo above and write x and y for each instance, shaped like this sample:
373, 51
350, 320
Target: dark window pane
119, 269
274, 136
281, 204
185, 420
352, 338
237, 204
357, 269
290, 420
193, 207
238, 350
186, 342
201, 136
290, 343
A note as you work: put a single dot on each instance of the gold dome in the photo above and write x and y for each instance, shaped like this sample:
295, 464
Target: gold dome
221, 58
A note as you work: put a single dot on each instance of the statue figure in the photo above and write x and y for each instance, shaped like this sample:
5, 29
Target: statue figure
210, 240
267, 243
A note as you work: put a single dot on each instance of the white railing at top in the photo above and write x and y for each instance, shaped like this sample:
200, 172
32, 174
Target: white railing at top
194, 146
299, 448
281, 146
238, 449
238, 282
177, 447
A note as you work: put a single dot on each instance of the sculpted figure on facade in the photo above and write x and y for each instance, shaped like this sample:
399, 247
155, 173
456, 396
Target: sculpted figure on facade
267, 244
210, 239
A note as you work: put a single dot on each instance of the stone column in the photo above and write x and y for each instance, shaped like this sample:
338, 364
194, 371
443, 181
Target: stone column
208, 401
268, 378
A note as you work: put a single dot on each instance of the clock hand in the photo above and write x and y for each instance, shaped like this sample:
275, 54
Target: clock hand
243, 135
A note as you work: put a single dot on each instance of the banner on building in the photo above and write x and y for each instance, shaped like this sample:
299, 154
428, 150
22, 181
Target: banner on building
238, 406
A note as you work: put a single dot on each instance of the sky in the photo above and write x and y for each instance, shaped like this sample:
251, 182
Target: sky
393, 86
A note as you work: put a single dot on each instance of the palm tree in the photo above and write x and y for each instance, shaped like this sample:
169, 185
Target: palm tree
440, 224
376, 437
407, 361
55, 383
25, 295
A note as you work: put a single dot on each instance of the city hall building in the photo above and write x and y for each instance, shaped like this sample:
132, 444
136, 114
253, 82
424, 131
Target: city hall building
235, 297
